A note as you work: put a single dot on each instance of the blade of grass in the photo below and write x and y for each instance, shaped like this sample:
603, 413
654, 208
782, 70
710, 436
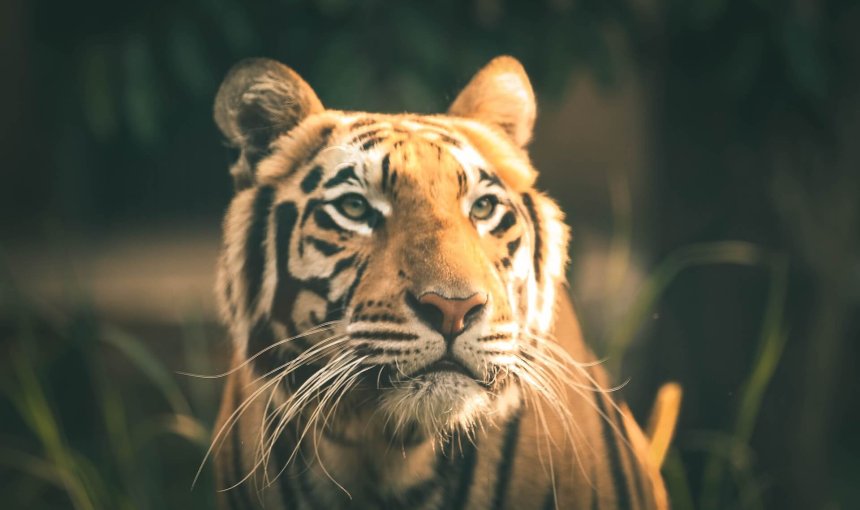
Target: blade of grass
723, 252
34, 466
122, 449
33, 407
772, 343
138, 354
677, 483
770, 347
738, 457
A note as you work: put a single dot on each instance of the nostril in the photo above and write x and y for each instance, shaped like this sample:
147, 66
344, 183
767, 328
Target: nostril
473, 314
426, 312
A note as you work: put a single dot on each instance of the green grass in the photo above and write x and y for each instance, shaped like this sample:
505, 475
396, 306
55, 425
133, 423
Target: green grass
726, 450
92, 419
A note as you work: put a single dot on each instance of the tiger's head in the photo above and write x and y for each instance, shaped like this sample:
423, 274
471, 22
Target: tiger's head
400, 266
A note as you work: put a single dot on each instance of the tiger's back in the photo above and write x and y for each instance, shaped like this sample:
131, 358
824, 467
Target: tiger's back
390, 286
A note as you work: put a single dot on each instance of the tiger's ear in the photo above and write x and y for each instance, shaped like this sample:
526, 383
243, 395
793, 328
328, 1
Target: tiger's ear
501, 95
259, 100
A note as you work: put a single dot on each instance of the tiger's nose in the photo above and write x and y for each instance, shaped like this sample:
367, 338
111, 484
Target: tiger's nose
449, 316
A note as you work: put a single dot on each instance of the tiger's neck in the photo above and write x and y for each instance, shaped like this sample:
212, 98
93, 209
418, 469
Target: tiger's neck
364, 466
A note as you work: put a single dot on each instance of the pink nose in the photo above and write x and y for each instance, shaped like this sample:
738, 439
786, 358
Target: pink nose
451, 314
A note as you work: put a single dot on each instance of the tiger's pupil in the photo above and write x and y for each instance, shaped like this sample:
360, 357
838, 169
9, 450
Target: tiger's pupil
483, 208
353, 206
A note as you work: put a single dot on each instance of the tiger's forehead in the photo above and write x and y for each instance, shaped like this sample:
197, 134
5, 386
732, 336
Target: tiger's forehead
414, 143
423, 147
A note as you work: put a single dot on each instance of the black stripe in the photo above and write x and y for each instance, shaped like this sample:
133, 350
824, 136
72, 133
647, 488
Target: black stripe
282, 450
496, 336
367, 350
239, 495
372, 143
382, 335
307, 491
236, 500
231, 304
364, 136
549, 499
513, 246
488, 177
449, 140
342, 264
506, 463
379, 317
622, 492
538, 255
335, 309
312, 179
360, 123
465, 470
325, 221
319, 286
359, 272
286, 216
255, 257
461, 183
386, 162
326, 248
310, 206
343, 175
260, 337
505, 224
439, 149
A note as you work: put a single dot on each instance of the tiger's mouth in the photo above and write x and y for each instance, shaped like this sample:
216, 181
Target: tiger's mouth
446, 363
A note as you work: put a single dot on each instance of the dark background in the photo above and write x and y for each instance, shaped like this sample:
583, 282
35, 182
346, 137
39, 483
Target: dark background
706, 153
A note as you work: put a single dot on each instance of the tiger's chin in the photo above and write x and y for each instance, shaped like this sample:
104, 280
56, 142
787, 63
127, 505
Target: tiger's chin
440, 404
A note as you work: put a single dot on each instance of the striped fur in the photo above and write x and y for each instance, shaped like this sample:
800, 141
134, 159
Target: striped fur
337, 397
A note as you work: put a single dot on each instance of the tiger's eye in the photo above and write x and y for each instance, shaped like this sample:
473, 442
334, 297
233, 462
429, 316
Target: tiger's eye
353, 206
483, 207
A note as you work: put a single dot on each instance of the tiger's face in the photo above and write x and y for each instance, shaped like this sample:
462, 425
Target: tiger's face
395, 264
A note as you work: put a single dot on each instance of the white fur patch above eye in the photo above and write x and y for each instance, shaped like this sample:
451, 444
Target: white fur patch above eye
469, 159
380, 205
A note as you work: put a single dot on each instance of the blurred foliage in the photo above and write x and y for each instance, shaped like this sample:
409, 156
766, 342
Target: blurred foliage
92, 419
112, 86
753, 112
131, 87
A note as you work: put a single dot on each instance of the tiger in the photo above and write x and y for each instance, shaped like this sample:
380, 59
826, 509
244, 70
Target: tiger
402, 337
